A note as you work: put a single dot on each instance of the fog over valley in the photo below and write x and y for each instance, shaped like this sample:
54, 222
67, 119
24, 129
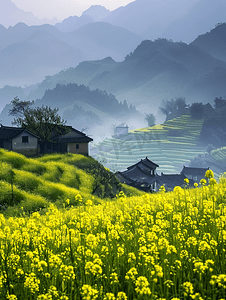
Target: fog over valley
107, 68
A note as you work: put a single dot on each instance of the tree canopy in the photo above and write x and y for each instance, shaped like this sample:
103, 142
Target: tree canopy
150, 118
174, 108
41, 121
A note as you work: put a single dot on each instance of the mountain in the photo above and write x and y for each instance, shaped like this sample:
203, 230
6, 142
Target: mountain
213, 42
149, 18
179, 20
29, 53
202, 17
156, 70
84, 108
73, 22
10, 15
35, 54
97, 12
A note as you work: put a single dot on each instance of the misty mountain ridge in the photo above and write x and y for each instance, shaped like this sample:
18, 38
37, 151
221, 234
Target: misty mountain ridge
152, 19
97, 12
10, 15
213, 42
29, 53
85, 108
202, 16
154, 71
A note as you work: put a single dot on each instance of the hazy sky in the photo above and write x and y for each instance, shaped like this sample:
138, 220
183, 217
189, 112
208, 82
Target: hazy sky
62, 9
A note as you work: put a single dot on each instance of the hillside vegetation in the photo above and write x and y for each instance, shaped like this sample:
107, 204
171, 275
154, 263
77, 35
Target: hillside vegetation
155, 246
170, 145
28, 184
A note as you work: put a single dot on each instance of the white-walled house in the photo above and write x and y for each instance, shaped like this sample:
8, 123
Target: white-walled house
22, 140
18, 139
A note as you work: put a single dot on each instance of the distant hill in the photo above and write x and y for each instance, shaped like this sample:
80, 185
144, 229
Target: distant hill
29, 53
95, 110
156, 70
179, 20
149, 18
213, 42
95, 13
10, 15
202, 16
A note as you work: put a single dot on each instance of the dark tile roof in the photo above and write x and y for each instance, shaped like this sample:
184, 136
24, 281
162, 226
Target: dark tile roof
71, 135
172, 180
145, 164
8, 133
138, 175
141, 185
194, 171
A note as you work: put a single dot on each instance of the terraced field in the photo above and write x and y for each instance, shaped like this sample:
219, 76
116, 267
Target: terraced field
219, 154
171, 145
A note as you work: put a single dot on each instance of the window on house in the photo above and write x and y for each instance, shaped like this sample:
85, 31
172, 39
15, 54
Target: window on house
195, 178
77, 146
24, 139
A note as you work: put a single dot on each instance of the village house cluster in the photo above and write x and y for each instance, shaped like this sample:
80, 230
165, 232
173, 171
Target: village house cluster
143, 176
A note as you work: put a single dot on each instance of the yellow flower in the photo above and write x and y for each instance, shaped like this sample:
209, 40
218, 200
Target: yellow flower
186, 180
209, 174
89, 293
188, 288
109, 296
114, 278
12, 297
121, 296
131, 274
142, 286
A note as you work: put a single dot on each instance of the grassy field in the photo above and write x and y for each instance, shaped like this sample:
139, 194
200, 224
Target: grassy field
28, 184
170, 145
168, 246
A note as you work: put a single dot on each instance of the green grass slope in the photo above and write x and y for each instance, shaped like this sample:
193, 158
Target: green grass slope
170, 145
28, 184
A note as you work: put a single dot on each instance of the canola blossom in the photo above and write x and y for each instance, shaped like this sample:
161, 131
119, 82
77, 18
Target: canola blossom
156, 246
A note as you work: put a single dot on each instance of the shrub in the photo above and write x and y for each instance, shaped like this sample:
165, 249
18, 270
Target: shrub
5, 171
32, 203
54, 171
35, 166
51, 191
26, 181
70, 177
9, 195
15, 159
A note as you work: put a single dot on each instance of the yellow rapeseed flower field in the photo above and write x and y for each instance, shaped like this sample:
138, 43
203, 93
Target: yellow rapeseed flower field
155, 246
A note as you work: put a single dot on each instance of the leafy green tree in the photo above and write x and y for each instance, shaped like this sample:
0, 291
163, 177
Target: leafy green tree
42, 121
197, 110
150, 118
219, 102
174, 108
167, 108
